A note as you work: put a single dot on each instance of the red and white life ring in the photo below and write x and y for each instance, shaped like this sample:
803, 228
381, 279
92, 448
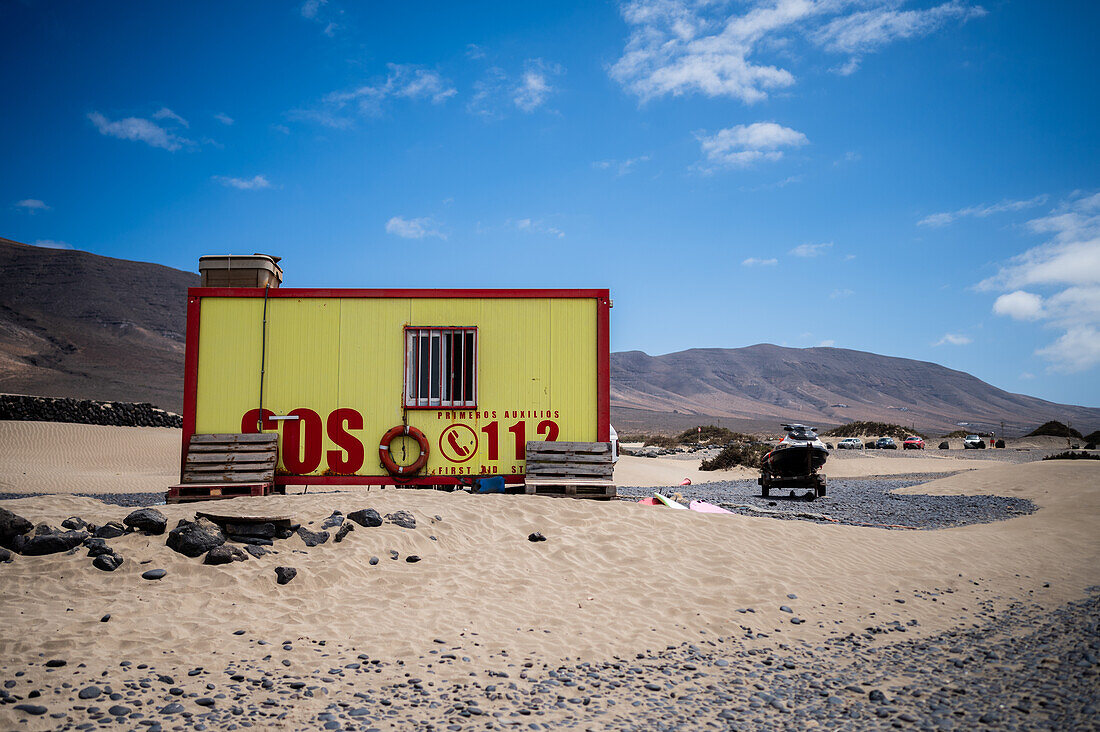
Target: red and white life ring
390, 464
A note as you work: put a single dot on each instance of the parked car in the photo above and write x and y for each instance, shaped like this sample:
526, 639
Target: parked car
973, 442
912, 442
886, 443
850, 443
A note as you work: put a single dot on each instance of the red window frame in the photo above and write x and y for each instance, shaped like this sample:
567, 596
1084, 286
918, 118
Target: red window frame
415, 400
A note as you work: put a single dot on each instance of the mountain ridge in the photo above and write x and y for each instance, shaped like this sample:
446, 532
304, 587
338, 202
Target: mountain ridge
76, 324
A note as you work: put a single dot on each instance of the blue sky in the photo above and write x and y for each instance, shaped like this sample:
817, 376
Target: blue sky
918, 179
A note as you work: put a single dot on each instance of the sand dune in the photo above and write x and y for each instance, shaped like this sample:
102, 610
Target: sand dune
612, 579
51, 457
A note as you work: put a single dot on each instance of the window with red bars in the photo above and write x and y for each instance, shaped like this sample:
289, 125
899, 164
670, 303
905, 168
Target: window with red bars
440, 367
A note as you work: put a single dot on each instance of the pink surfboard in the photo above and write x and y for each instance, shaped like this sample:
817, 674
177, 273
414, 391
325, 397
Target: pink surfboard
704, 507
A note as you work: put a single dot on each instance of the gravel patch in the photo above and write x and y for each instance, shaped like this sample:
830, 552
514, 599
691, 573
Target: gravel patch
131, 500
860, 502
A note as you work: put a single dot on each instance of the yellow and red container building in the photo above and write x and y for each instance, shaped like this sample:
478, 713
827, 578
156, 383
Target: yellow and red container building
477, 372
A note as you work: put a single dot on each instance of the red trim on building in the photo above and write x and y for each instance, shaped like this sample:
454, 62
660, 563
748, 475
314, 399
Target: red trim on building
299, 292
191, 362
383, 480
190, 376
603, 368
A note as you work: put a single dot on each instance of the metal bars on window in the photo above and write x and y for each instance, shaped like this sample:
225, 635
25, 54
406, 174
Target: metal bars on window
440, 367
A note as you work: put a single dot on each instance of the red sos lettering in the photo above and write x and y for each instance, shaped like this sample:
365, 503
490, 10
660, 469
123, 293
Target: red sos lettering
302, 439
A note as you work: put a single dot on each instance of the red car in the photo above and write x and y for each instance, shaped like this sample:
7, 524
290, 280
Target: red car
913, 443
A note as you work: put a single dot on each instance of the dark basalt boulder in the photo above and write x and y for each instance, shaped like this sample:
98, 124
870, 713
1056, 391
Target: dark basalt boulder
11, 526
404, 519
107, 562
97, 546
366, 517
52, 541
343, 531
285, 574
312, 538
333, 521
149, 520
195, 538
74, 522
110, 530
225, 554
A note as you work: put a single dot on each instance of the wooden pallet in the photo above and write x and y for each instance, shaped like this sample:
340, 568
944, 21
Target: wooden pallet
570, 469
227, 466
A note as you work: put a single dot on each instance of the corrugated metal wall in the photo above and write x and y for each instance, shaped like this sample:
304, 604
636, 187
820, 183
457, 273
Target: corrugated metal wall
536, 373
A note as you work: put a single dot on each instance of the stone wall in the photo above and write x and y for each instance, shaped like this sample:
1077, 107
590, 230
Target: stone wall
21, 408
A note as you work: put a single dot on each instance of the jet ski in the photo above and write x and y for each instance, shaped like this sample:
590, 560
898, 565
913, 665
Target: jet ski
800, 452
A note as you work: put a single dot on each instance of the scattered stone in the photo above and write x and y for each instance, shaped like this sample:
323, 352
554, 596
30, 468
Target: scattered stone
536, 536
90, 692
75, 523
404, 519
149, 520
105, 618
784, 608
366, 517
35, 709
224, 554
394, 555
107, 562
171, 708
154, 574
52, 541
5, 556
256, 551
97, 546
110, 530
373, 561
333, 521
56, 663
344, 530
312, 538
11, 526
412, 559
118, 710
285, 574
195, 538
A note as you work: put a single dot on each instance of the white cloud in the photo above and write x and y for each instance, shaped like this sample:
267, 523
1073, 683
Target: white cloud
139, 130
531, 226
811, 250
52, 244
1027, 375
497, 90
414, 228
622, 167
32, 205
1067, 266
743, 145
948, 217
225, 119
678, 47
1019, 305
827, 343
310, 8
165, 113
532, 91
869, 30
1078, 349
256, 182
401, 82
953, 339
757, 262
836, 294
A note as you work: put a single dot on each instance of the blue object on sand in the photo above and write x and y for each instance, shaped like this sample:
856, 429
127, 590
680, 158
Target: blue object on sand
491, 484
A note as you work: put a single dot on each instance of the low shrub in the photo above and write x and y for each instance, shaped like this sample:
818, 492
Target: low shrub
710, 433
747, 454
1070, 455
882, 429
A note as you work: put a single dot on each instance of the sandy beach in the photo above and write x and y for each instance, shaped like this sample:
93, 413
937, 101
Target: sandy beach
611, 581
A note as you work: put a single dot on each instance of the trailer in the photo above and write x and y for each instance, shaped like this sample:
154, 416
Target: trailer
411, 387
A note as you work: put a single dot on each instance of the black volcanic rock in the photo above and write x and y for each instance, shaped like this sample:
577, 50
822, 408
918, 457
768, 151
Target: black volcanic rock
194, 538
52, 541
11, 526
366, 517
149, 520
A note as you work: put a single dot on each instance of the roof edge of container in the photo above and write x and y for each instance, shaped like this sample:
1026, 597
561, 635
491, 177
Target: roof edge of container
309, 292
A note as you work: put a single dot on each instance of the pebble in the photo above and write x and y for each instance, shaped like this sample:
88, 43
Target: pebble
154, 574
